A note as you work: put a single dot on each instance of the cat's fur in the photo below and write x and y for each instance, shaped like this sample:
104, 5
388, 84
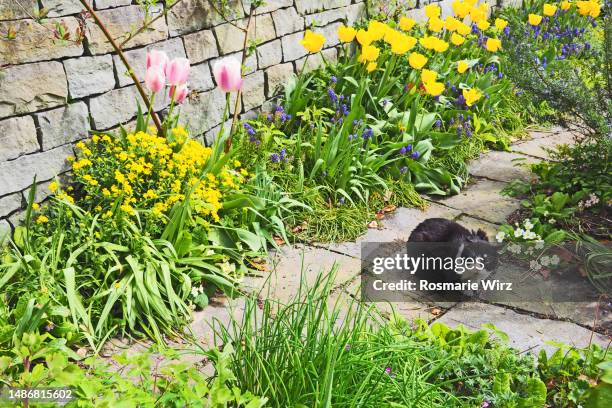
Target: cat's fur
459, 241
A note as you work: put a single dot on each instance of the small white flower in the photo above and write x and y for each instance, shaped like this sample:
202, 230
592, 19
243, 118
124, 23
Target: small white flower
500, 236
194, 291
518, 233
200, 289
545, 261
528, 225
554, 260
228, 268
514, 248
539, 244
535, 265
552, 221
210, 252
546, 213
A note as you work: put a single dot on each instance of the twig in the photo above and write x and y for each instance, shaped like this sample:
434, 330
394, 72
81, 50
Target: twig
228, 142
117, 48
227, 20
147, 24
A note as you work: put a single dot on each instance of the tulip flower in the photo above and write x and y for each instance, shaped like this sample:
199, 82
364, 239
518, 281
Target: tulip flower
177, 71
155, 78
346, 34
178, 93
313, 42
406, 23
157, 58
228, 74
534, 19
462, 66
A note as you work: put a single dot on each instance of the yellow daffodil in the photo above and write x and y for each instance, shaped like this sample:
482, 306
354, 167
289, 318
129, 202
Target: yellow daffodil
371, 66
471, 96
313, 42
451, 23
364, 37
416, 60
346, 34
549, 9
428, 76
500, 23
435, 24
493, 44
406, 23
456, 39
462, 66
534, 19
565, 5
369, 53
434, 88
432, 11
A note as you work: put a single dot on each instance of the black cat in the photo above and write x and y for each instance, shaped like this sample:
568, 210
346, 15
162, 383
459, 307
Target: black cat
450, 240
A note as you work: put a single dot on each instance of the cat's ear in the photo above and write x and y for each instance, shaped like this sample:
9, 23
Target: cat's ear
482, 235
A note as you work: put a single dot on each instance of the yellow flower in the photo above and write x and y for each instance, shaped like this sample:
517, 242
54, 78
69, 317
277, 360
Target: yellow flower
371, 66
377, 29
35, 206
428, 76
483, 25
493, 44
500, 23
416, 60
346, 34
441, 46
364, 37
402, 43
478, 14
549, 9
432, 11
589, 8
406, 23
434, 88
369, 53
534, 19
462, 66
461, 8
435, 24
456, 39
451, 23
313, 42
463, 29
565, 5
42, 219
237, 163
471, 96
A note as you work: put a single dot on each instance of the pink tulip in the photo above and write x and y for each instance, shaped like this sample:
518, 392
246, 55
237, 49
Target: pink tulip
155, 79
228, 74
157, 59
177, 71
179, 93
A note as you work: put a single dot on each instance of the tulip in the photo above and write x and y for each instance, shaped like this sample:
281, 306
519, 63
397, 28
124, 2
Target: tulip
228, 74
157, 59
155, 79
177, 71
179, 93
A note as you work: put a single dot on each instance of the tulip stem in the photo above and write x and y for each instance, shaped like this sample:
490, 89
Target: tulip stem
130, 70
228, 142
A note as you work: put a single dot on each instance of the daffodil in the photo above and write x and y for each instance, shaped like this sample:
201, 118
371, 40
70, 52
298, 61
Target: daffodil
416, 60
346, 34
313, 42
471, 96
462, 66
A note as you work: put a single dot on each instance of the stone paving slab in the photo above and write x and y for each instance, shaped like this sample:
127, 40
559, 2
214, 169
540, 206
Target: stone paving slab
395, 226
483, 199
525, 332
475, 224
537, 147
502, 166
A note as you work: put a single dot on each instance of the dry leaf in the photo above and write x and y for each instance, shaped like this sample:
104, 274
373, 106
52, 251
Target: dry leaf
299, 228
278, 240
259, 264
388, 195
582, 271
389, 208
373, 224
380, 215
436, 311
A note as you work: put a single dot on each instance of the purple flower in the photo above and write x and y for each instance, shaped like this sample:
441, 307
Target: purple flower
403, 170
367, 133
438, 123
403, 150
283, 153
333, 79
274, 158
409, 148
249, 129
332, 95
415, 155
485, 404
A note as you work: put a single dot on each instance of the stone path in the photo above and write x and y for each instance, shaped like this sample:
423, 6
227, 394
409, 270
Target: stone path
530, 325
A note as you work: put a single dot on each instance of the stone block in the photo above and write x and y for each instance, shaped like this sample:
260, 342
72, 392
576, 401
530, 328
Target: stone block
5, 232
350, 14
9, 203
138, 59
204, 111
194, 15
253, 90
276, 76
89, 75
268, 6
287, 21
292, 49
541, 146
201, 46
231, 37
63, 125
35, 41
17, 137
317, 60
58, 8
122, 21
17, 175
104, 4
309, 7
269, 54
11, 10
200, 78
502, 166
32, 87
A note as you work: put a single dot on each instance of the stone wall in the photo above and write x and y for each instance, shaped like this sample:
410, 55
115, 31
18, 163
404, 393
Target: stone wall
53, 92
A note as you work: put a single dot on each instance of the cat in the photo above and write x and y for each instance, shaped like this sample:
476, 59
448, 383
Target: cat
452, 240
